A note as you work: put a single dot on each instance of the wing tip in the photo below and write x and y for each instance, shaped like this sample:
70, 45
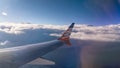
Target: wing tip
66, 35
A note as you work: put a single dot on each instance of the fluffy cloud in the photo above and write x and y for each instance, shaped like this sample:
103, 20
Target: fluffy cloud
18, 28
25, 32
98, 33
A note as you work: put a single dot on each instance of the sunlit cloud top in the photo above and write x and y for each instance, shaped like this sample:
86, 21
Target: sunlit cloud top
82, 32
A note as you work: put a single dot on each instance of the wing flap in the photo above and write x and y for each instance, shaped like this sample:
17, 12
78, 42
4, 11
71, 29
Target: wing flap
40, 61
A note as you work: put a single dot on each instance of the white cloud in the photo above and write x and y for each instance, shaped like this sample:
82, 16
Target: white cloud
4, 13
83, 32
6, 42
100, 33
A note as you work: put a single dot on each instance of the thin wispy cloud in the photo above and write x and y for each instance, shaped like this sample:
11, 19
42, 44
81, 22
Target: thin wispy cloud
4, 13
4, 43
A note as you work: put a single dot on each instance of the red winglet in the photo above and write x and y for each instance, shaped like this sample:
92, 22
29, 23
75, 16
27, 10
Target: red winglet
66, 35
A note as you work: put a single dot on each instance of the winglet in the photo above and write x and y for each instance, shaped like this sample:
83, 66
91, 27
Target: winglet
66, 35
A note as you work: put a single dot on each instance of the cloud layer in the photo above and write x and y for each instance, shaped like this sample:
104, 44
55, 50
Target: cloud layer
25, 32
97, 33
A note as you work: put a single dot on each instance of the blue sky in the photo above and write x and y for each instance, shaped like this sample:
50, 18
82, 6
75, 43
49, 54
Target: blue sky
94, 12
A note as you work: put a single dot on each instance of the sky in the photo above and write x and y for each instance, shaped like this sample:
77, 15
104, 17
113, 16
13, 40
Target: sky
46, 18
93, 12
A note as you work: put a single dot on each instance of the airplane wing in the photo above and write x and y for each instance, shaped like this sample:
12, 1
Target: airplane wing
15, 57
